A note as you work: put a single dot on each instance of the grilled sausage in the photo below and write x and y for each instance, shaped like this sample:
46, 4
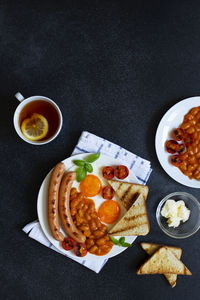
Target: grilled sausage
64, 208
53, 191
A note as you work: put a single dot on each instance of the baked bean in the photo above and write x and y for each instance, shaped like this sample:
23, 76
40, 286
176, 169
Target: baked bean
79, 220
73, 192
89, 243
194, 111
93, 249
73, 211
185, 126
88, 218
87, 233
191, 160
190, 168
198, 155
85, 217
93, 225
84, 227
190, 130
85, 207
80, 213
98, 233
103, 228
74, 203
98, 222
101, 241
80, 205
197, 177
188, 117
93, 216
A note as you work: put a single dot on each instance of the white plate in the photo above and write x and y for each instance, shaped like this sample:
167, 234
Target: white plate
43, 200
171, 120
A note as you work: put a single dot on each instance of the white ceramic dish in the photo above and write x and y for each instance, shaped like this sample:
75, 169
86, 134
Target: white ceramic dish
43, 199
171, 120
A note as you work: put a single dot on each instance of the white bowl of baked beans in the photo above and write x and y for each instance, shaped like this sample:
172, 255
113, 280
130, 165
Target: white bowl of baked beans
185, 229
183, 165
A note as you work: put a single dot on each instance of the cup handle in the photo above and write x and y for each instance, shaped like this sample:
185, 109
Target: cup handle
19, 96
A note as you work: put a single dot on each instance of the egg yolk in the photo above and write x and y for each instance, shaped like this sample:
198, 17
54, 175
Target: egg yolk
90, 186
109, 211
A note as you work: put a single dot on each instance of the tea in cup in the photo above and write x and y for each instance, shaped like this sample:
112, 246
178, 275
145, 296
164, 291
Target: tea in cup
37, 120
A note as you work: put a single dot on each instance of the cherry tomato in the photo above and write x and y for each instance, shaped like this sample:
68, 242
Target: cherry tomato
178, 134
68, 243
189, 139
182, 149
108, 192
176, 160
108, 172
80, 249
172, 146
121, 172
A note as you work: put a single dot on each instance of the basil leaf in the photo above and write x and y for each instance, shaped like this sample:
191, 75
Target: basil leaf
80, 174
88, 167
115, 241
93, 157
79, 163
124, 244
122, 240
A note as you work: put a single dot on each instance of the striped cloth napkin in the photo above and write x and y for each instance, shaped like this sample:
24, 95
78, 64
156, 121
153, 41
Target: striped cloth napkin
87, 143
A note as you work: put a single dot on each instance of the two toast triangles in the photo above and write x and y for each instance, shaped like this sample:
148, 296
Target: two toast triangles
135, 222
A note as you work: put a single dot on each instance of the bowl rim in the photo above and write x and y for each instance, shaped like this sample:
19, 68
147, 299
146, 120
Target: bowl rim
158, 213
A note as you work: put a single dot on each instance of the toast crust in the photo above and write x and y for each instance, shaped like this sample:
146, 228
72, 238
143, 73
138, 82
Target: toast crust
150, 248
163, 261
135, 222
128, 192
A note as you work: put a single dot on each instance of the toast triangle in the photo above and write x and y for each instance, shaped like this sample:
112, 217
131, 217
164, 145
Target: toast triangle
128, 192
134, 222
163, 261
150, 248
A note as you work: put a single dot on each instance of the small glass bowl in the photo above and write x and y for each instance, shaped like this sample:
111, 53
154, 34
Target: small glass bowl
187, 228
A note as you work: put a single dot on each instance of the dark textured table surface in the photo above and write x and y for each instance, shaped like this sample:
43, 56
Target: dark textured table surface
114, 68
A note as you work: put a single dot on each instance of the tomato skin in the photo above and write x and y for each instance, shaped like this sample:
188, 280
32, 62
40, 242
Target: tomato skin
172, 146
178, 134
80, 250
176, 160
108, 172
108, 192
182, 149
68, 243
121, 172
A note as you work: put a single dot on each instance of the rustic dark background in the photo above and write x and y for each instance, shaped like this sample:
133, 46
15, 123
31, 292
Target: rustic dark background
114, 68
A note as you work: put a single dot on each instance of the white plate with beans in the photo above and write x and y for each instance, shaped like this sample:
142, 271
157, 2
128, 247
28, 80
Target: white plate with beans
42, 204
190, 163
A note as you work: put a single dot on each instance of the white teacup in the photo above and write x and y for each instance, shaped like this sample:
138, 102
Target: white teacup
19, 109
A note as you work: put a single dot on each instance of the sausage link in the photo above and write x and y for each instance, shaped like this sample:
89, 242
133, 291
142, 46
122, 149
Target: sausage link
54, 185
64, 208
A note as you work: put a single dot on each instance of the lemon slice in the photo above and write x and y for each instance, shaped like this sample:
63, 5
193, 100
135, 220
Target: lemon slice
35, 128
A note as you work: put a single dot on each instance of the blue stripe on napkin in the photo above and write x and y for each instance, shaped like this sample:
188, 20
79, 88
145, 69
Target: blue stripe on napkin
89, 142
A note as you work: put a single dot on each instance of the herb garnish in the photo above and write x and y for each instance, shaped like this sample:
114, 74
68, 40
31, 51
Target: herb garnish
121, 242
85, 166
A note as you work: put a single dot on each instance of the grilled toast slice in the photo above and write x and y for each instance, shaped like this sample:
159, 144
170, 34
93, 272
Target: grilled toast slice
163, 261
151, 248
134, 222
128, 192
